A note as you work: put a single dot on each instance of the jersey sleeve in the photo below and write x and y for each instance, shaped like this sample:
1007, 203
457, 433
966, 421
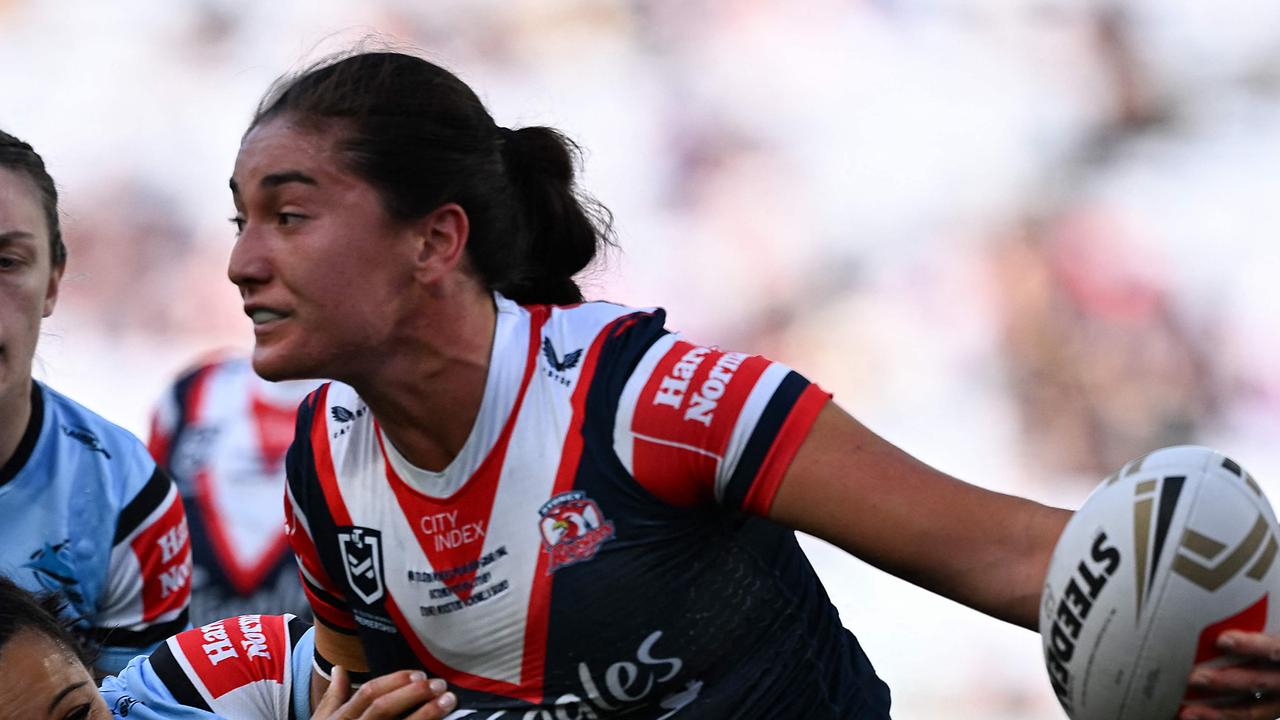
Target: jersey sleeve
697, 424
305, 511
148, 582
254, 667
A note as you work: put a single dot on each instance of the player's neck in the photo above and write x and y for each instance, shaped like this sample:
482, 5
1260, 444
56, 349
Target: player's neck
14, 419
427, 394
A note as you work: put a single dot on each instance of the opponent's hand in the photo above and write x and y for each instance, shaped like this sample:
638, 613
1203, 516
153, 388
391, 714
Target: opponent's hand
1256, 683
405, 694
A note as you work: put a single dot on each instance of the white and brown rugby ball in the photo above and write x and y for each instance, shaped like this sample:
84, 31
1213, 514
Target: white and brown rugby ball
1178, 546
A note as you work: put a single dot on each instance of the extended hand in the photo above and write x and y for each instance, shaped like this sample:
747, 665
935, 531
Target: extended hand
1255, 683
388, 697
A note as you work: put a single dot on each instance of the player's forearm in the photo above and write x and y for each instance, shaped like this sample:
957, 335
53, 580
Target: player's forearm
1010, 560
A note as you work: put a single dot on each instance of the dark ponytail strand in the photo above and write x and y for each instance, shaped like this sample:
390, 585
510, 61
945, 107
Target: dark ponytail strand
563, 228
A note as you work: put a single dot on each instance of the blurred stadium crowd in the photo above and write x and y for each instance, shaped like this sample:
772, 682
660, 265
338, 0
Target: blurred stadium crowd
1025, 240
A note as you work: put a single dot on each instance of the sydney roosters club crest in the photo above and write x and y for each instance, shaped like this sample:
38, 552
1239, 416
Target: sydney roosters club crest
572, 529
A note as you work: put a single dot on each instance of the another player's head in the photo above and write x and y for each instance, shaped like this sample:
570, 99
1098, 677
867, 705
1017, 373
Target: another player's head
370, 187
42, 671
32, 257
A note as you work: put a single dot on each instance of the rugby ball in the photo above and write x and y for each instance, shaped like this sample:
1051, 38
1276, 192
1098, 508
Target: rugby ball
1163, 556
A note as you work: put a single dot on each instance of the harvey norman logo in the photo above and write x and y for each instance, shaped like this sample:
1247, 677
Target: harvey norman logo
701, 405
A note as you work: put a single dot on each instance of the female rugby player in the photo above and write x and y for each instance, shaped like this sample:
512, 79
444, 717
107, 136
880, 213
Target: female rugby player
251, 667
83, 510
560, 507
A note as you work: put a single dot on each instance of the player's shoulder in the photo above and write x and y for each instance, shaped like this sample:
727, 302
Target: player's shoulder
78, 434
326, 416
569, 328
595, 315
333, 402
243, 666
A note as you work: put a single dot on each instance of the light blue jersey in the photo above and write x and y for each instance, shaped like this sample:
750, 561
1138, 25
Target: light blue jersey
249, 667
85, 513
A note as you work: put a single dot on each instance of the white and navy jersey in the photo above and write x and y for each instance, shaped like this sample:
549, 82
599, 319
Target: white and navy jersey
250, 667
598, 546
222, 432
87, 514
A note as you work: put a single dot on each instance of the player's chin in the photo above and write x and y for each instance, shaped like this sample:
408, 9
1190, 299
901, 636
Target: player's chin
275, 361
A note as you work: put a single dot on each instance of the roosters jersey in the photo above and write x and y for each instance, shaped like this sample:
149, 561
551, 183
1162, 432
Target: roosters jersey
251, 667
598, 548
87, 515
222, 432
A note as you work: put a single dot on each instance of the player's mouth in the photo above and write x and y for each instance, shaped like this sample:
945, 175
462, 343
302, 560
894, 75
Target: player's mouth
264, 318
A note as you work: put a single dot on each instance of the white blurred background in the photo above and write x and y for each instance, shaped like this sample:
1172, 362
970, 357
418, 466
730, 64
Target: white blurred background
1025, 240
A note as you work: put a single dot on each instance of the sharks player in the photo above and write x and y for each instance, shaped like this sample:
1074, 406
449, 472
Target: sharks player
84, 512
250, 667
222, 432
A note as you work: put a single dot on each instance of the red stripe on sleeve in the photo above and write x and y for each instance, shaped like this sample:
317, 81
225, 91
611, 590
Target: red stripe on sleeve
163, 551
785, 446
229, 654
339, 617
685, 417
680, 476
725, 390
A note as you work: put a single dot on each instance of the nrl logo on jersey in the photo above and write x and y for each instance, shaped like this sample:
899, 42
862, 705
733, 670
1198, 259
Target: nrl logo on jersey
361, 550
572, 529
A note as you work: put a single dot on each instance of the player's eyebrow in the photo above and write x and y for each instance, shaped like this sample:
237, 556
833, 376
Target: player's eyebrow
275, 180
12, 235
64, 692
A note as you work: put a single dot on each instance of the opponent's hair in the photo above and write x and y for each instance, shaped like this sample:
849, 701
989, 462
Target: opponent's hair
19, 156
422, 138
21, 609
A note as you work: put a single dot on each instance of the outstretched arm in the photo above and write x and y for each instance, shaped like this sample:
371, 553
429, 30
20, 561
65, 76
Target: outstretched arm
984, 549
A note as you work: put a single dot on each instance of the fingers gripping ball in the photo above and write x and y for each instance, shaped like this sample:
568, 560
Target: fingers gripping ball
1177, 547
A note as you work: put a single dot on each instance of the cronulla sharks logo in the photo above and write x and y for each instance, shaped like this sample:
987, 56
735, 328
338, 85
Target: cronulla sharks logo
361, 550
54, 570
572, 529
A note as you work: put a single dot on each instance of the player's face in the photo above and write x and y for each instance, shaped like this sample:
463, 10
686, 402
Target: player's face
323, 270
28, 282
40, 679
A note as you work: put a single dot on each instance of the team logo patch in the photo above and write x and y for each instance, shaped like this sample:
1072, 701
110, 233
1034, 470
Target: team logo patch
86, 438
572, 529
54, 570
124, 705
567, 363
361, 550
